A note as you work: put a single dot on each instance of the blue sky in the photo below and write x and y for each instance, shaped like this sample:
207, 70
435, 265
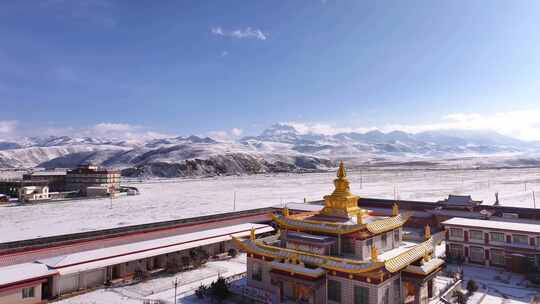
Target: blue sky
182, 67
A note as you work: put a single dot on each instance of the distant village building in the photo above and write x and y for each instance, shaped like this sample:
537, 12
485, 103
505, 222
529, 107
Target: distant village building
342, 254
459, 202
509, 244
11, 187
90, 176
56, 180
33, 193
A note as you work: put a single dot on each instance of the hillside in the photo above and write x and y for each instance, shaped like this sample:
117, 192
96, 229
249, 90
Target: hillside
280, 148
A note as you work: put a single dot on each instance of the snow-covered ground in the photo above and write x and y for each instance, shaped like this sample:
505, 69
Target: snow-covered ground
497, 286
161, 288
162, 200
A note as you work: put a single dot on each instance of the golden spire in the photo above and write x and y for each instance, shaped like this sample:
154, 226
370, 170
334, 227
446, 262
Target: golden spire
341, 203
374, 253
252, 234
427, 232
341, 171
395, 210
341, 182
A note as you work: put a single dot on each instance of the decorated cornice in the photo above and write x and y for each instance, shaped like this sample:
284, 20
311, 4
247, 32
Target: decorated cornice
406, 258
325, 262
345, 265
387, 224
375, 227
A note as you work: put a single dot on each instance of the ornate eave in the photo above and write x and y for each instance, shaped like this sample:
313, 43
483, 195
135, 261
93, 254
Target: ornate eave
349, 266
298, 269
325, 262
375, 227
406, 258
387, 224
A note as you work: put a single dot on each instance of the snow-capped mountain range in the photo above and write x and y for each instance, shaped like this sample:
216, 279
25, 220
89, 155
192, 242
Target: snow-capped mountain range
280, 148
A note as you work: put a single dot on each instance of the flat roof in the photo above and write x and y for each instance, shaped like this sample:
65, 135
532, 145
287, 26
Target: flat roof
23, 272
500, 224
48, 173
93, 259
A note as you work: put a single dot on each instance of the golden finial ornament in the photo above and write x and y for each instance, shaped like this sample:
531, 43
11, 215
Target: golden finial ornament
395, 210
285, 211
427, 232
374, 253
360, 218
341, 171
252, 234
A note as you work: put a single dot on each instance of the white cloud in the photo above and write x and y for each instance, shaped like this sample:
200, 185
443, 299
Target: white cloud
224, 53
246, 33
114, 130
226, 135
523, 124
322, 128
106, 127
7, 126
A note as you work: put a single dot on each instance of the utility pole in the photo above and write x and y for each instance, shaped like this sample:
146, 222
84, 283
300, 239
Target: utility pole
534, 200
111, 194
175, 288
361, 182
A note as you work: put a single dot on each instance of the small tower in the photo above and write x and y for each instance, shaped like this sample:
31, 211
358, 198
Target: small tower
395, 210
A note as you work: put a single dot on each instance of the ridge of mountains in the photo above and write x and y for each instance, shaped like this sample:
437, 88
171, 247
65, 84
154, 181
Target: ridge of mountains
280, 148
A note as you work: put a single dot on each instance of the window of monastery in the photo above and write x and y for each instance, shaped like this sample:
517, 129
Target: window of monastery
476, 254
334, 291
397, 291
369, 243
361, 295
456, 232
28, 292
396, 235
456, 250
347, 245
520, 239
383, 241
497, 237
256, 273
476, 234
497, 257
386, 296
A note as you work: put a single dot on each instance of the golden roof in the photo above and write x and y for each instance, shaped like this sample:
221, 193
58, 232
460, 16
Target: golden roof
387, 224
401, 261
350, 266
325, 262
298, 222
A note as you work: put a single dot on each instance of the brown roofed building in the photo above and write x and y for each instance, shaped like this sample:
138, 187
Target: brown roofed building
91, 176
